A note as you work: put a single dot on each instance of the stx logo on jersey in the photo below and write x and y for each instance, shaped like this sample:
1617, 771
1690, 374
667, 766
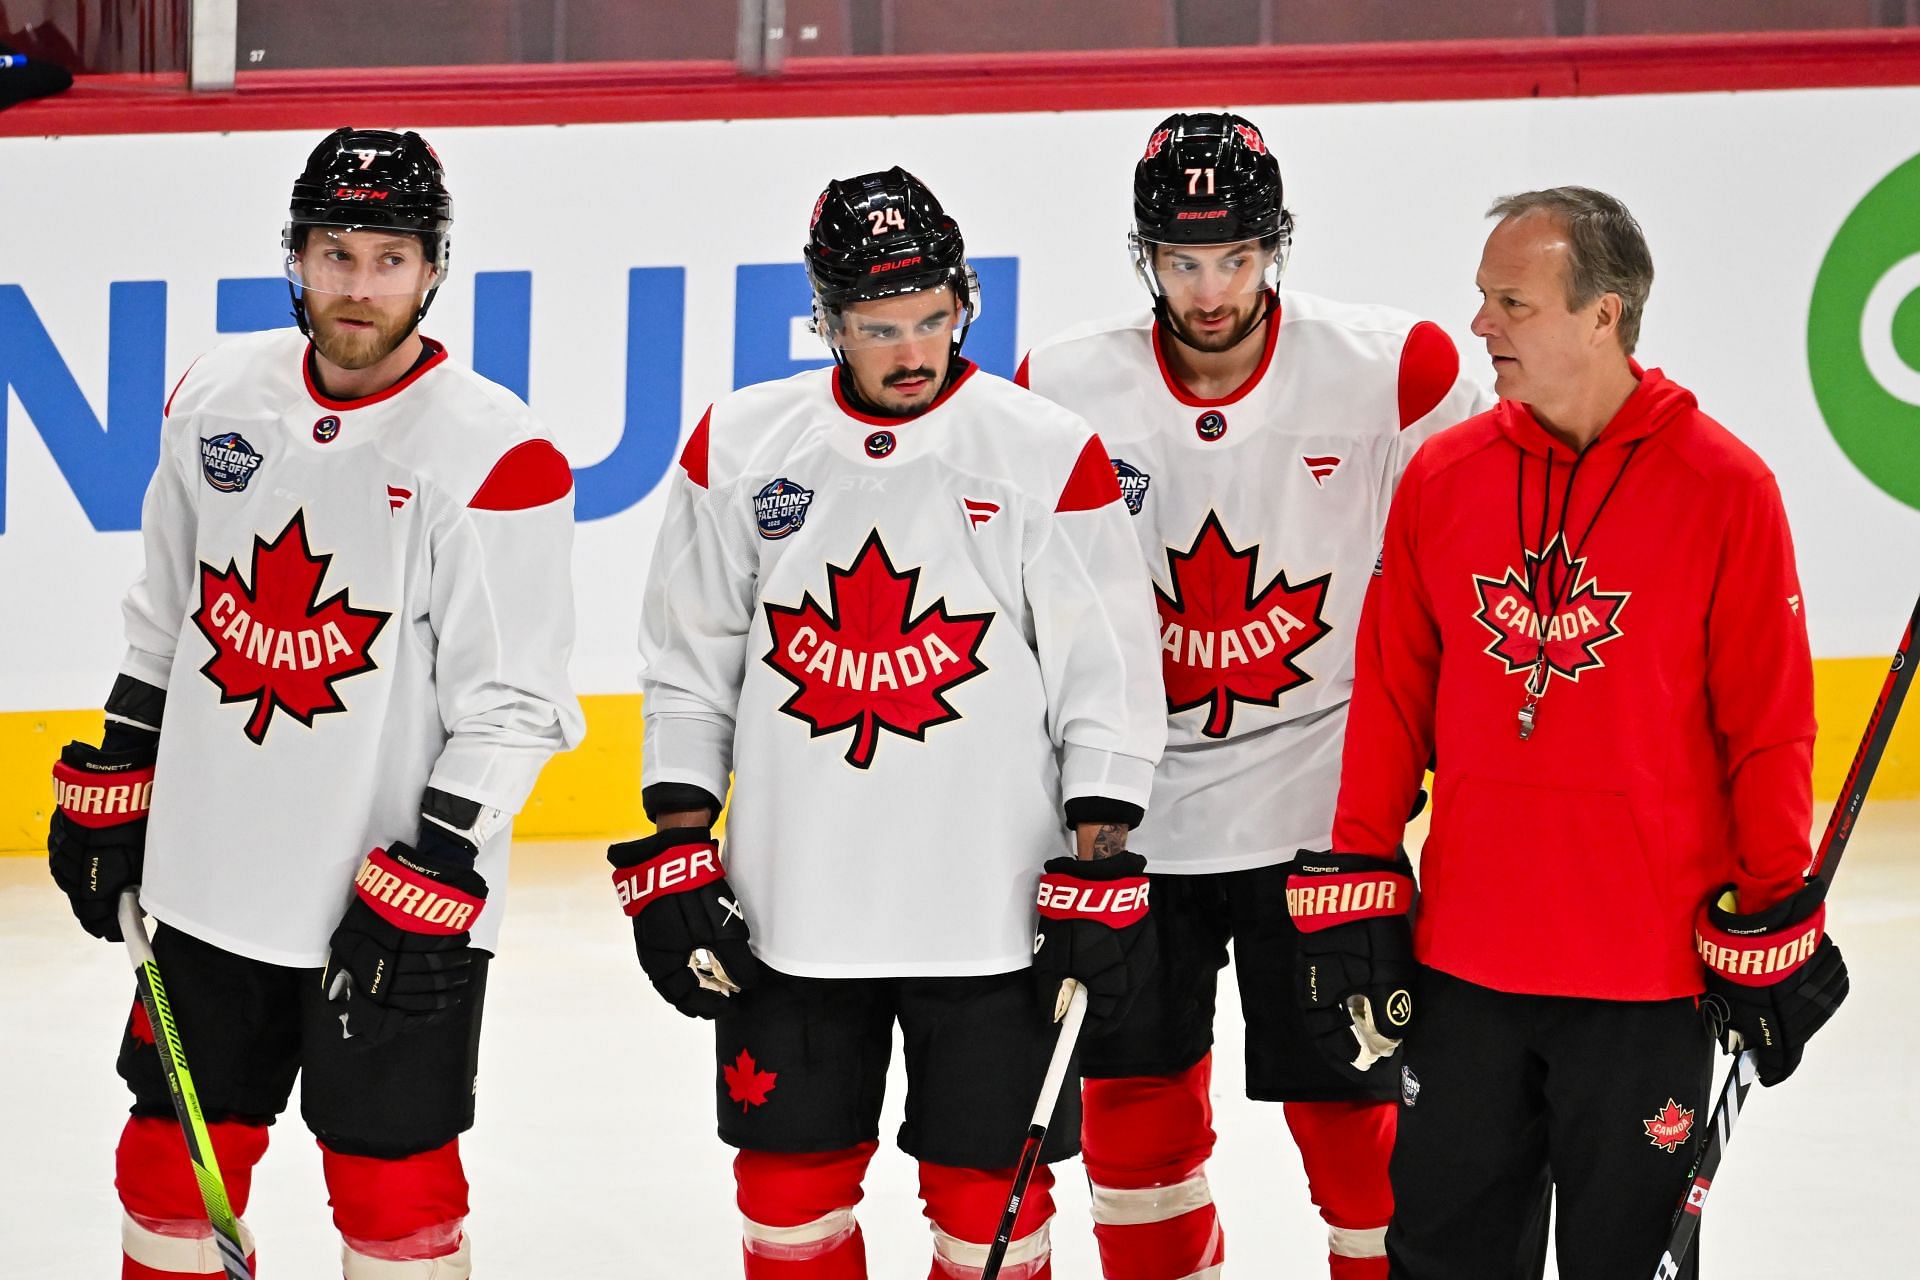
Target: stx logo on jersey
1670, 1127
228, 461
1133, 484
277, 644
1572, 634
780, 508
1222, 640
866, 662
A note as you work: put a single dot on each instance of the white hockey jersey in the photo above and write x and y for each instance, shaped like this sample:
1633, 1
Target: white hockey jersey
1261, 514
909, 641
346, 601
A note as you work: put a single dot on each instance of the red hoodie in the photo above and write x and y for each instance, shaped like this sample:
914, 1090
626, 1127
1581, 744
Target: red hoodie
1672, 749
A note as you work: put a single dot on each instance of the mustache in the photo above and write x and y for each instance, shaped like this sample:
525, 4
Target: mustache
899, 376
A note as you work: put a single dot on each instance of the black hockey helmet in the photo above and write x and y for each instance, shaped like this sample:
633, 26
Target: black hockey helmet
1208, 178
366, 179
883, 234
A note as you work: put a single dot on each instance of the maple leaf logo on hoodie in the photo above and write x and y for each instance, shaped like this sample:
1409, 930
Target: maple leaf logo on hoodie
1585, 619
866, 662
276, 644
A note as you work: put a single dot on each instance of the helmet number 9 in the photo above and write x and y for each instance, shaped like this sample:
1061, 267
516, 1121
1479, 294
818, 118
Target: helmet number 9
1194, 177
367, 158
885, 219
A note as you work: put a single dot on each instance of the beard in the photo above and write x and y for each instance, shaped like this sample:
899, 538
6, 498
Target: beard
1227, 340
357, 348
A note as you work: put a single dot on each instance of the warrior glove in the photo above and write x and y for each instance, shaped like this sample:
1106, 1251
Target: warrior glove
1773, 976
687, 922
1094, 929
1353, 972
97, 838
402, 956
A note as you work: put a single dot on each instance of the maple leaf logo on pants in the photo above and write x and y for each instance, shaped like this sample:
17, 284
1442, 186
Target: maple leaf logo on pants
864, 662
277, 644
1221, 640
747, 1084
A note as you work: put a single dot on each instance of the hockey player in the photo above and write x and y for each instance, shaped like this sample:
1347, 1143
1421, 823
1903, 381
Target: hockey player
1588, 616
1257, 434
350, 634
898, 600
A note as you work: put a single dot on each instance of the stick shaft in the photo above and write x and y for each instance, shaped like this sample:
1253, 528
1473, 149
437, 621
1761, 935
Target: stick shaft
1050, 1087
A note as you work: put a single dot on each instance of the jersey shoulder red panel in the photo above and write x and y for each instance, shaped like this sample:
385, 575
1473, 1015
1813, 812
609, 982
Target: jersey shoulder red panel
693, 458
1093, 483
1429, 366
531, 474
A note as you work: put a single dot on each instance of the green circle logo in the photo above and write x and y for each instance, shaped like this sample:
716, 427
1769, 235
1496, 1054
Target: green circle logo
1863, 335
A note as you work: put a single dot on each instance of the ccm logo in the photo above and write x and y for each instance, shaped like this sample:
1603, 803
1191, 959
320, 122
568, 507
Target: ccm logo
675, 873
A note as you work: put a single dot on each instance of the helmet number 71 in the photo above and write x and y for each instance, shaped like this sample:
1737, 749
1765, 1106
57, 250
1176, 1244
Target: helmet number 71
1193, 181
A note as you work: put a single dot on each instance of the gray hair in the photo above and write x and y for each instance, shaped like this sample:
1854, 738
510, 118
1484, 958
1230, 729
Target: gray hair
1608, 250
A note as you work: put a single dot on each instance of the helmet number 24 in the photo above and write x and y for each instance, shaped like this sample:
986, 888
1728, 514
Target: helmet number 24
1194, 177
883, 219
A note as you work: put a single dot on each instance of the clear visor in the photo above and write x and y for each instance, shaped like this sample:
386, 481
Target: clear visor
1207, 275
927, 317
360, 262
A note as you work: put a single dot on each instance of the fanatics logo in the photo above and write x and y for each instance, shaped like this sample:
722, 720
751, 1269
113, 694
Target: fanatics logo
1211, 425
397, 498
978, 512
1221, 640
1320, 466
780, 508
1133, 484
1670, 1127
326, 429
228, 461
276, 644
1586, 618
865, 662
746, 1083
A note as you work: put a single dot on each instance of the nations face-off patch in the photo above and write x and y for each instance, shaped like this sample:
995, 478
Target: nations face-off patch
228, 461
780, 508
1133, 484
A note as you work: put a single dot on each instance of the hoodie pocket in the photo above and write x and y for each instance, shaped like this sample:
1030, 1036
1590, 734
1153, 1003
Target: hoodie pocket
1546, 888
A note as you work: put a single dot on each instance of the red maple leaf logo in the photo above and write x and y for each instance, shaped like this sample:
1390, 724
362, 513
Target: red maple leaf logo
1222, 641
746, 1083
1587, 619
1154, 143
1670, 1127
276, 645
864, 663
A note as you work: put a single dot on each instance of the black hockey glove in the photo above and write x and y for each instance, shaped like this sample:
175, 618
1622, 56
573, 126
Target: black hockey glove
402, 956
687, 924
97, 838
1353, 972
1773, 977
1095, 928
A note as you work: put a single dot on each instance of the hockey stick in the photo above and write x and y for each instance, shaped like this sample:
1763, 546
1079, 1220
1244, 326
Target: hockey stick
186, 1102
1037, 1131
1833, 843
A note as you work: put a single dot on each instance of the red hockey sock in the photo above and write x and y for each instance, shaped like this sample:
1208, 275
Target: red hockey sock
798, 1211
165, 1234
403, 1217
1345, 1147
965, 1205
1145, 1141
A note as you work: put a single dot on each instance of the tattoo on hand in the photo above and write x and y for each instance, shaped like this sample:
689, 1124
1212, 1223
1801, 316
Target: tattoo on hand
1110, 838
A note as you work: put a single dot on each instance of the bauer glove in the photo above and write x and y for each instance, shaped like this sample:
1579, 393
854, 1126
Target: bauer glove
687, 924
1773, 976
97, 838
402, 956
1353, 971
1095, 929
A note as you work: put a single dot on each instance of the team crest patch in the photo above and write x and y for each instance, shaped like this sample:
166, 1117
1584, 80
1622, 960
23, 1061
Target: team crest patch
1586, 619
275, 643
746, 1083
1670, 1127
1211, 425
865, 661
880, 444
228, 461
1225, 641
780, 508
1133, 484
326, 429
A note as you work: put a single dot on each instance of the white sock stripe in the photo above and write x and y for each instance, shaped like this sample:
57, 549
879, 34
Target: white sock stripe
457, 1265
1021, 1249
1213, 1272
1133, 1206
1358, 1242
825, 1227
190, 1251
